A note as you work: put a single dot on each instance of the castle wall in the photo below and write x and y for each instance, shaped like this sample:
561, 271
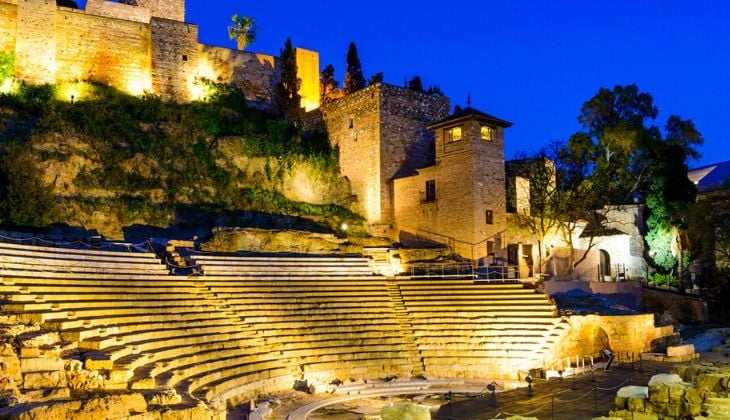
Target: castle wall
174, 58
109, 51
308, 73
8, 19
353, 125
35, 45
143, 12
406, 144
255, 73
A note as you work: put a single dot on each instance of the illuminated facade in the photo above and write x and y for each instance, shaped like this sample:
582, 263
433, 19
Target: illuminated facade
137, 49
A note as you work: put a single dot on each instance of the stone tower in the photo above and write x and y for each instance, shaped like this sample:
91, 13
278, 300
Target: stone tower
459, 201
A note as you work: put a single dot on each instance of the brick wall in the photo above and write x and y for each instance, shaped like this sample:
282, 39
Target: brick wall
174, 58
118, 10
35, 46
110, 51
685, 309
8, 18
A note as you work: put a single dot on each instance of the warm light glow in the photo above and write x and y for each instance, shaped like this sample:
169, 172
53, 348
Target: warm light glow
6, 86
203, 71
308, 73
453, 134
139, 85
344, 227
75, 91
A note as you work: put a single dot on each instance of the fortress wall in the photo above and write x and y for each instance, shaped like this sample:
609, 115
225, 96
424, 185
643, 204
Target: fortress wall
118, 10
174, 59
308, 73
8, 18
166, 9
255, 73
353, 125
109, 51
35, 46
406, 143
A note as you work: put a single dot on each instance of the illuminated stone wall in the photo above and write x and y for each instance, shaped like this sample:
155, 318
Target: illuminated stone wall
381, 132
146, 9
308, 73
174, 57
8, 18
135, 49
109, 51
254, 73
589, 334
35, 42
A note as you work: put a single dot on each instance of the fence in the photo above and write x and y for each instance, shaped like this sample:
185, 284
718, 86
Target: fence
502, 273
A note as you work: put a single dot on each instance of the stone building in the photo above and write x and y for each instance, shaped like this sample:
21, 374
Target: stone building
144, 48
460, 198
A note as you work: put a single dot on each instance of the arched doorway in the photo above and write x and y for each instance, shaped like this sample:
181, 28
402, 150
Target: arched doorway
604, 265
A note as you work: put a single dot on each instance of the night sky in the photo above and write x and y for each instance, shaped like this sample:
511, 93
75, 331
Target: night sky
530, 62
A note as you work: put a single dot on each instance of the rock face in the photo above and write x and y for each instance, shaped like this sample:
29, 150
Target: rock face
262, 240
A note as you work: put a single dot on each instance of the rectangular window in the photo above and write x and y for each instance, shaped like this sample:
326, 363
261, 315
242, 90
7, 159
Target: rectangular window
487, 133
490, 217
430, 191
351, 123
453, 134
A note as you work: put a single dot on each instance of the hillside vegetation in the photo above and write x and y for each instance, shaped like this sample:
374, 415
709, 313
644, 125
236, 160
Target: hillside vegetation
89, 156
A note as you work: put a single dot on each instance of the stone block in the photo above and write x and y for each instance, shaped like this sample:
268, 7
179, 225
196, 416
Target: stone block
620, 403
98, 364
42, 380
681, 350
635, 404
710, 381
625, 414
40, 364
659, 393
676, 392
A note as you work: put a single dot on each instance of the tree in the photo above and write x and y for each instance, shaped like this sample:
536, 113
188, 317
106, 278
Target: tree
354, 79
328, 85
538, 216
287, 90
435, 90
243, 31
376, 78
416, 84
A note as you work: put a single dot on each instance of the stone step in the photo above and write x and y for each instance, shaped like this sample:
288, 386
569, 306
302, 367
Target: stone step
103, 281
83, 267
90, 305
140, 318
7, 248
62, 275
82, 298
275, 281
309, 263
276, 258
89, 333
101, 343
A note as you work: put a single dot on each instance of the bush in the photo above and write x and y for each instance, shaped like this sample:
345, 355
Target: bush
25, 202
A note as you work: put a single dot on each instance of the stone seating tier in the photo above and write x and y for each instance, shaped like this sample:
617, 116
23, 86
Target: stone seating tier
22, 249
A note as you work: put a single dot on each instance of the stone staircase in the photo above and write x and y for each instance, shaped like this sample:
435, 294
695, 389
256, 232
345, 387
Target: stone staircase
404, 320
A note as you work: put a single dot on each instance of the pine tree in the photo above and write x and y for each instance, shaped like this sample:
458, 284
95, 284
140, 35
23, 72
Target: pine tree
376, 78
287, 90
354, 79
328, 85
416, 84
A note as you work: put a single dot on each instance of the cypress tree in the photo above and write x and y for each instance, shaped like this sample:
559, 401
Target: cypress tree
354, 79
328, 84
287, 90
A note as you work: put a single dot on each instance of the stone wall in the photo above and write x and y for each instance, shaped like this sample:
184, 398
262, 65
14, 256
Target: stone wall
632, 334
174, 54
146, 9
255, 73
136, 49
108, 51
685, 309
8, 19
35, 45
381, 133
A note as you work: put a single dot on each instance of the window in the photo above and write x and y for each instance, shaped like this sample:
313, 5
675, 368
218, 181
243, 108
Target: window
351, 123
490, 217
487, 133
185, 57
453, 134
430, 191
490, 247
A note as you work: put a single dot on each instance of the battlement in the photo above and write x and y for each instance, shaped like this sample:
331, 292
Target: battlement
143, 12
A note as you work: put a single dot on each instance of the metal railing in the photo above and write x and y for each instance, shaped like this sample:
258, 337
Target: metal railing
498, 273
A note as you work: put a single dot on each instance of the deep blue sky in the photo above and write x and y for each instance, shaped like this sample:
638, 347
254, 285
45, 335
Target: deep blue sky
531, 62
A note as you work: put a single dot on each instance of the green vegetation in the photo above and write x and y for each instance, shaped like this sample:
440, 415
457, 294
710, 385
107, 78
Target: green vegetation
287, 90
242, 30
354, 78
138, 158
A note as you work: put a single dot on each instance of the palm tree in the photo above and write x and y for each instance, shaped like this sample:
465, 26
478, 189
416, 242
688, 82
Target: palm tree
243, 30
